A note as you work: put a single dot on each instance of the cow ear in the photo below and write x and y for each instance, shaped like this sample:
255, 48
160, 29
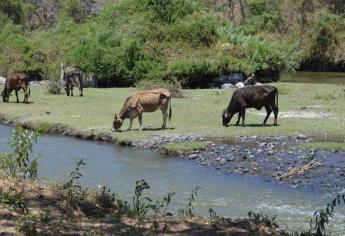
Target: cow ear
115, 117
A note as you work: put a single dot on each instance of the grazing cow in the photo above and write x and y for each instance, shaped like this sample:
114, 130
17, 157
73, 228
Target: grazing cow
73, 76
16, 82
252, 97
145, 101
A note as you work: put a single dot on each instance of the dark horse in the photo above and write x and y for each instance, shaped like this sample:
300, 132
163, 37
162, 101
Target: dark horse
73, 76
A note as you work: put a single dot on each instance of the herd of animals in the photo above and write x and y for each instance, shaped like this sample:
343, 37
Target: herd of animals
152, 100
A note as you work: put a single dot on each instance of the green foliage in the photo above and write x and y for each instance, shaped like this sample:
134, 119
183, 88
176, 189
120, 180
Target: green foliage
142, 204
264, 15
183, 147
321, 218
20, 164
188, 211
198, 30
310, 156
76, 194
260, 219
168, 11
28, 225
173, 85
322, 40
13, 199
55, 87
258, 53
13, 9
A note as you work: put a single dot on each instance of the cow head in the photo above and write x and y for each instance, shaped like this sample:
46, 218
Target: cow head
117, 122
226, 117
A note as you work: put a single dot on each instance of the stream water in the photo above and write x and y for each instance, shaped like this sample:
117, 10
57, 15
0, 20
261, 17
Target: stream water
228, 195
315, 77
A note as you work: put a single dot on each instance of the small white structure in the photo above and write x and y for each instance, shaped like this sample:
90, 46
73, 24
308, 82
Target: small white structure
239, 85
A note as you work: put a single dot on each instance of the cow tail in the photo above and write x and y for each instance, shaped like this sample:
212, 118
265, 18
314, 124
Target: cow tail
29, 90
170, 111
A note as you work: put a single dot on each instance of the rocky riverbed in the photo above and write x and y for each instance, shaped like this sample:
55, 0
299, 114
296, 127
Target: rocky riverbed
275, 158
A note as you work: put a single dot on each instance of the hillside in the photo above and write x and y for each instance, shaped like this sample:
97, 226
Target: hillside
194, 42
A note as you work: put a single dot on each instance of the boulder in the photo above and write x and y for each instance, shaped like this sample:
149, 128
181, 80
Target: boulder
227, 86
239, 85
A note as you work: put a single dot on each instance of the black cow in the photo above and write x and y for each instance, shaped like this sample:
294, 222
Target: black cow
252, 97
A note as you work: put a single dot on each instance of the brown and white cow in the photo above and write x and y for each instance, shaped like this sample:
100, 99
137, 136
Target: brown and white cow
252, 97
73, 76
16, 82
145, 101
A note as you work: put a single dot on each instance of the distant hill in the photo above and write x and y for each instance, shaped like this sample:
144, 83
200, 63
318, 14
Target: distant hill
190, 41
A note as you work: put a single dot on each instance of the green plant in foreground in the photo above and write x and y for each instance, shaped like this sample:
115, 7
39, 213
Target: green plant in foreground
260, 219
28, 225
322, 217
188, 211
20, 164
13, 199
142, 204
310, 156
75, 192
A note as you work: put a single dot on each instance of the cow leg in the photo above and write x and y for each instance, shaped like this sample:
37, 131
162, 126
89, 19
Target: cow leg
243, 115
130, 123
140, 118
16, 91
71, 90
238, 120
275, 111
81, 90
268, 111
68, 89
165, 116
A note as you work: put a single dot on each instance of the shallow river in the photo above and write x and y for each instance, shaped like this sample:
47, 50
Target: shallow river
315, 77
228, 195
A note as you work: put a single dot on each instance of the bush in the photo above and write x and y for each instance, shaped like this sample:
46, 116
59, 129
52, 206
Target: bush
322, 42
20, 164
55, 87
173, 86
198, 30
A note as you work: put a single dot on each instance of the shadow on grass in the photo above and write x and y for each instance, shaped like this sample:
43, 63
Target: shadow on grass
253, 125
144, 129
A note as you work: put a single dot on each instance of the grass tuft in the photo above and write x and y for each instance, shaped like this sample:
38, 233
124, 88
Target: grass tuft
183, 147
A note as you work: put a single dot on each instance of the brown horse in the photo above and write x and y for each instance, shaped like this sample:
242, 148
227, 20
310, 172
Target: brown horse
16, 82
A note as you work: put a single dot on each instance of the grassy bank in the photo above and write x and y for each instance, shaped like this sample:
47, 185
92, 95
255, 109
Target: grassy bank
198, 113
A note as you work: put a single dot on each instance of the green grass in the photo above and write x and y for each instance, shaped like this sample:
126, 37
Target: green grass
183, 147
198, 113
325, 145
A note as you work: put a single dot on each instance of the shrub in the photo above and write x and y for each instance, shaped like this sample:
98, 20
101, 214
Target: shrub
20, 164
322, 41
188, 211
13, 199
169, 10
173, 86
197, 29
76, 194
55, 87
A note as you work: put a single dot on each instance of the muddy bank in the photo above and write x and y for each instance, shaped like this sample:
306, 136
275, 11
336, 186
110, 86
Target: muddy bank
47, 214
59, 129
276, 158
